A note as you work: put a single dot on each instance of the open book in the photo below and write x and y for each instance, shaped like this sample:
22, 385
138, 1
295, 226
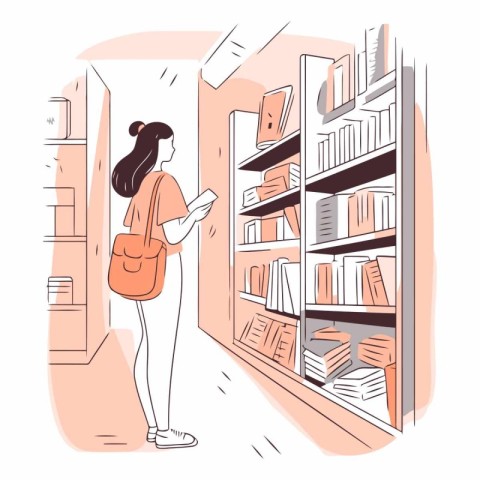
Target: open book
208, 196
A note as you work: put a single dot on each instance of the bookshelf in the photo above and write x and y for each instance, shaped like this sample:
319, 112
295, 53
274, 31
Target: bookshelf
77, 170
380, 165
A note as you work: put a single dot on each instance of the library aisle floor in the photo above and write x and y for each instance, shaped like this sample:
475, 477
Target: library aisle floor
215, 396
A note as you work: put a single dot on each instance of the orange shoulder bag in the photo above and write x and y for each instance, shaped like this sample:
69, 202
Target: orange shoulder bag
137, 264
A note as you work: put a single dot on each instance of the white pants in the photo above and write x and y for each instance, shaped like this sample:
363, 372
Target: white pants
154, 361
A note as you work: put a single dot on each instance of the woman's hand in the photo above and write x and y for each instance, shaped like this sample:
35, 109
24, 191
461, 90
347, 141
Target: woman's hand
201, 212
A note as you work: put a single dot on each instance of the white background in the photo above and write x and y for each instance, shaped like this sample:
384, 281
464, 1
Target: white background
38, 42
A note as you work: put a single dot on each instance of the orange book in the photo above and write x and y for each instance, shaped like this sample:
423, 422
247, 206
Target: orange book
386, 266
273, 116
361, 218
256, 281
331, 333
390, 379
269, 229
293, 218
323, 290
374, 288
285, 349
256, 331
266, 275
272, 188
284, 171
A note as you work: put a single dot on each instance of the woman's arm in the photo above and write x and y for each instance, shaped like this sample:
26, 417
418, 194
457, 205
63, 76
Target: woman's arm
176, 230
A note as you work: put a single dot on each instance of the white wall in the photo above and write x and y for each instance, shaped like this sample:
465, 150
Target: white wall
139, 92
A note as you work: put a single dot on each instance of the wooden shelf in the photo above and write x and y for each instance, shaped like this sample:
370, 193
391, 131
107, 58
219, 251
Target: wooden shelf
67, 141
266, 246
253, 298
368, 241
283, 149
274, 204
383, 316
372, 166
289, 318
74, 238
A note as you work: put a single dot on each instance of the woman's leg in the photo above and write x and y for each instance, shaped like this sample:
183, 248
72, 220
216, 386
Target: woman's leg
161, 318
141, 372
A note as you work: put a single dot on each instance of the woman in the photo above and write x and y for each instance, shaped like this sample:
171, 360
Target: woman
134, 176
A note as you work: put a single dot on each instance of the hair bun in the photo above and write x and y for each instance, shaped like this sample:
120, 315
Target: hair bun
135, 127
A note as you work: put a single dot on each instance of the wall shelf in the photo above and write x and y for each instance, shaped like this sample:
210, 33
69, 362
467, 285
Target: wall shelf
368, 241
73, 238
274, 204
283, 149
384, 316
369, 167
66, 141
266, 246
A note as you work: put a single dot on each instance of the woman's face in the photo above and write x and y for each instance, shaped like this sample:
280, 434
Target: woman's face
165, 149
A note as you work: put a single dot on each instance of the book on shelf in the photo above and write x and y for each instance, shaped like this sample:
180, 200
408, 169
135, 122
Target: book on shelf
58, 118
329, 359
362, 383
351, 296
256, 280
377, 49
328, 277
331, 333
372, 133
386, 266
283, 293
274, 112
292, 214
361, 72
266, 190
290, 172
270, 228
377, 350
341, 146
253, 231
291, 288
332, 218
384, 128
373, 287
60, 290
331, 151
391, 111
338, 80
275, 340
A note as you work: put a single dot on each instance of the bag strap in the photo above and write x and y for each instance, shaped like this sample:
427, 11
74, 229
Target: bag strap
151, 209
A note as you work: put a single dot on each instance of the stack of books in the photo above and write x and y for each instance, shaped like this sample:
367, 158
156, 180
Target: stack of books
283, 292
329, 354
363, 383
60, 290
276, 181
271, 338
377, 350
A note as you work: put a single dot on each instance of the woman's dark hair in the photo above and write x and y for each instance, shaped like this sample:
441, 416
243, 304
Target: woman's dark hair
130, 171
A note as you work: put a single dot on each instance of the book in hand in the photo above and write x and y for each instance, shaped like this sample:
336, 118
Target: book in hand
273, 116
205, 198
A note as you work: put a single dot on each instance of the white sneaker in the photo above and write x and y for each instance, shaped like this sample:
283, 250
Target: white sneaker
174, 439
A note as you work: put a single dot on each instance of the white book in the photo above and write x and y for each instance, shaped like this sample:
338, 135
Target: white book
250, 197
291, 287
352, 142
247, 280
362, 72
357, 149
341, 142
379, 390
359, 266
252, 231
350, 278
331, 149
360, 376
205, 198
347, 143
364, 137
391, 211
280, 228
393, 126
281, 262
340, 287
378, 210
287, 230
384, 128
372, 133
338, 87
273, 282
326, 155
385, 212
335, 273
321, 160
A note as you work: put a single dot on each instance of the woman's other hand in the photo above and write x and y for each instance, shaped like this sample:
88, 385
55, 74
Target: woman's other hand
201, 212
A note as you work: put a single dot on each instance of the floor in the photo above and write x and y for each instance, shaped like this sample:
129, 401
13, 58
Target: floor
214, 396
